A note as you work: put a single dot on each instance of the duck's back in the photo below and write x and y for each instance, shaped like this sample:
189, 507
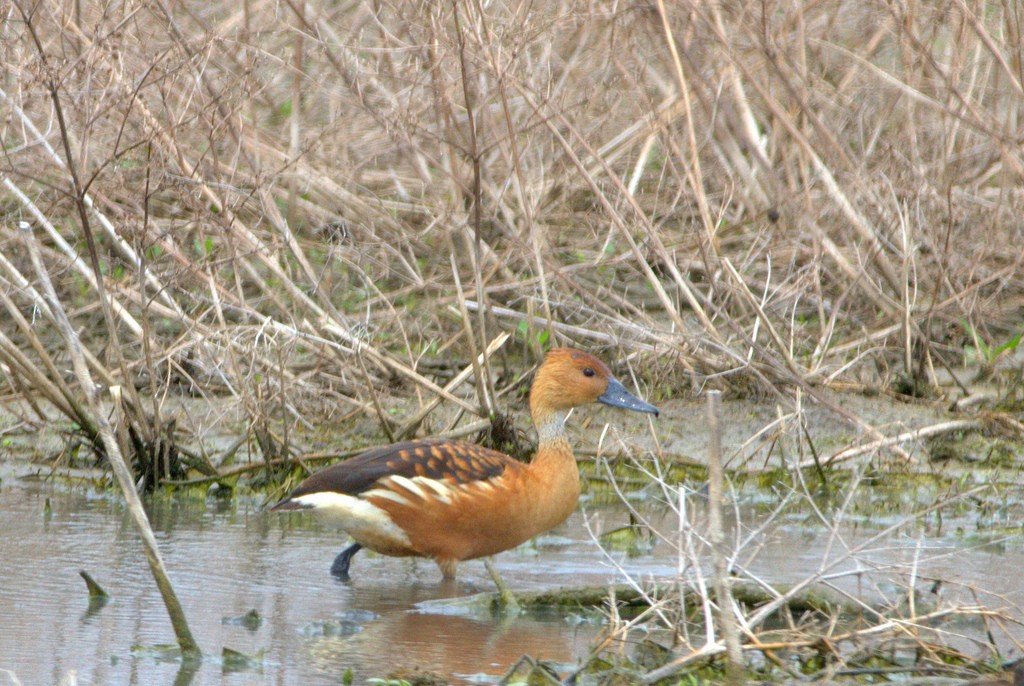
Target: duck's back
458, 462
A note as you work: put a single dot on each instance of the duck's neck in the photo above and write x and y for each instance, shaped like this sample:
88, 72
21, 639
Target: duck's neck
553, 468
551, 426
553, 449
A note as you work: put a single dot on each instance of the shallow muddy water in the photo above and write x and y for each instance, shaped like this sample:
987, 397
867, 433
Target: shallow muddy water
228, 557
225, 560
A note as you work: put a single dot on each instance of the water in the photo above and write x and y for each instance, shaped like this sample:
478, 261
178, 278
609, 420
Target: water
228, 557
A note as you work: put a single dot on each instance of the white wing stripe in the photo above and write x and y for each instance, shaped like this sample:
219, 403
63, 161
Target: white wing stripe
440, 488
408, 484
388, 494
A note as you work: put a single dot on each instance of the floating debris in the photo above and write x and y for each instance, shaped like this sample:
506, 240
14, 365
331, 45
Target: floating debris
235, 661
251, 620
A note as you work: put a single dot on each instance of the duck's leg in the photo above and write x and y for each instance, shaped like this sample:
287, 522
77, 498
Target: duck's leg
340, 566
448, 567
506, 599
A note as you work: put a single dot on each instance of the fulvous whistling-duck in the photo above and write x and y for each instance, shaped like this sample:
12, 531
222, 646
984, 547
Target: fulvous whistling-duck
452, 500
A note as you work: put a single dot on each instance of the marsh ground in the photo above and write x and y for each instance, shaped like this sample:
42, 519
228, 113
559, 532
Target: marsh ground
282, 229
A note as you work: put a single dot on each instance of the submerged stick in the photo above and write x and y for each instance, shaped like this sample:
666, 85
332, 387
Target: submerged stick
186, 642
95, 590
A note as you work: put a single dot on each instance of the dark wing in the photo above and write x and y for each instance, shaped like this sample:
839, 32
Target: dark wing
440, 459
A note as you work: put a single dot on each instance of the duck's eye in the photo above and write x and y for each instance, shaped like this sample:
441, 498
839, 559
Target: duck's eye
587, 371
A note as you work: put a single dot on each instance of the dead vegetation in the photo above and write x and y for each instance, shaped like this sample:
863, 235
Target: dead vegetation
302, 211
291, 206
868, 601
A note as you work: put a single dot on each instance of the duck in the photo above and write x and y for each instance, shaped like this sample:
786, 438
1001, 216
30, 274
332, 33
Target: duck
452, 501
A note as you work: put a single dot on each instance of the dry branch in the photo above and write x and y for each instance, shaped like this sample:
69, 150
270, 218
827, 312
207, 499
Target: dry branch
97, 415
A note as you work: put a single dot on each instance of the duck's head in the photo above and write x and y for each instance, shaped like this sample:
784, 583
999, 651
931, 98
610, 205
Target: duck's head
570, 377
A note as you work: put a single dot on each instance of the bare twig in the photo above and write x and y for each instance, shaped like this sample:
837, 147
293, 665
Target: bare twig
186, 642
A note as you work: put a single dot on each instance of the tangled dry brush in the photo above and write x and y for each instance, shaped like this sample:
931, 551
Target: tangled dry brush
292, 202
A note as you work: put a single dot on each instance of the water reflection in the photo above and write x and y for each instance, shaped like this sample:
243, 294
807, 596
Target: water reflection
449, 645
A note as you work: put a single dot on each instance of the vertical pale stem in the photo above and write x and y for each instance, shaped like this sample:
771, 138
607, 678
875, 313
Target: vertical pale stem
716, 497
295, 120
